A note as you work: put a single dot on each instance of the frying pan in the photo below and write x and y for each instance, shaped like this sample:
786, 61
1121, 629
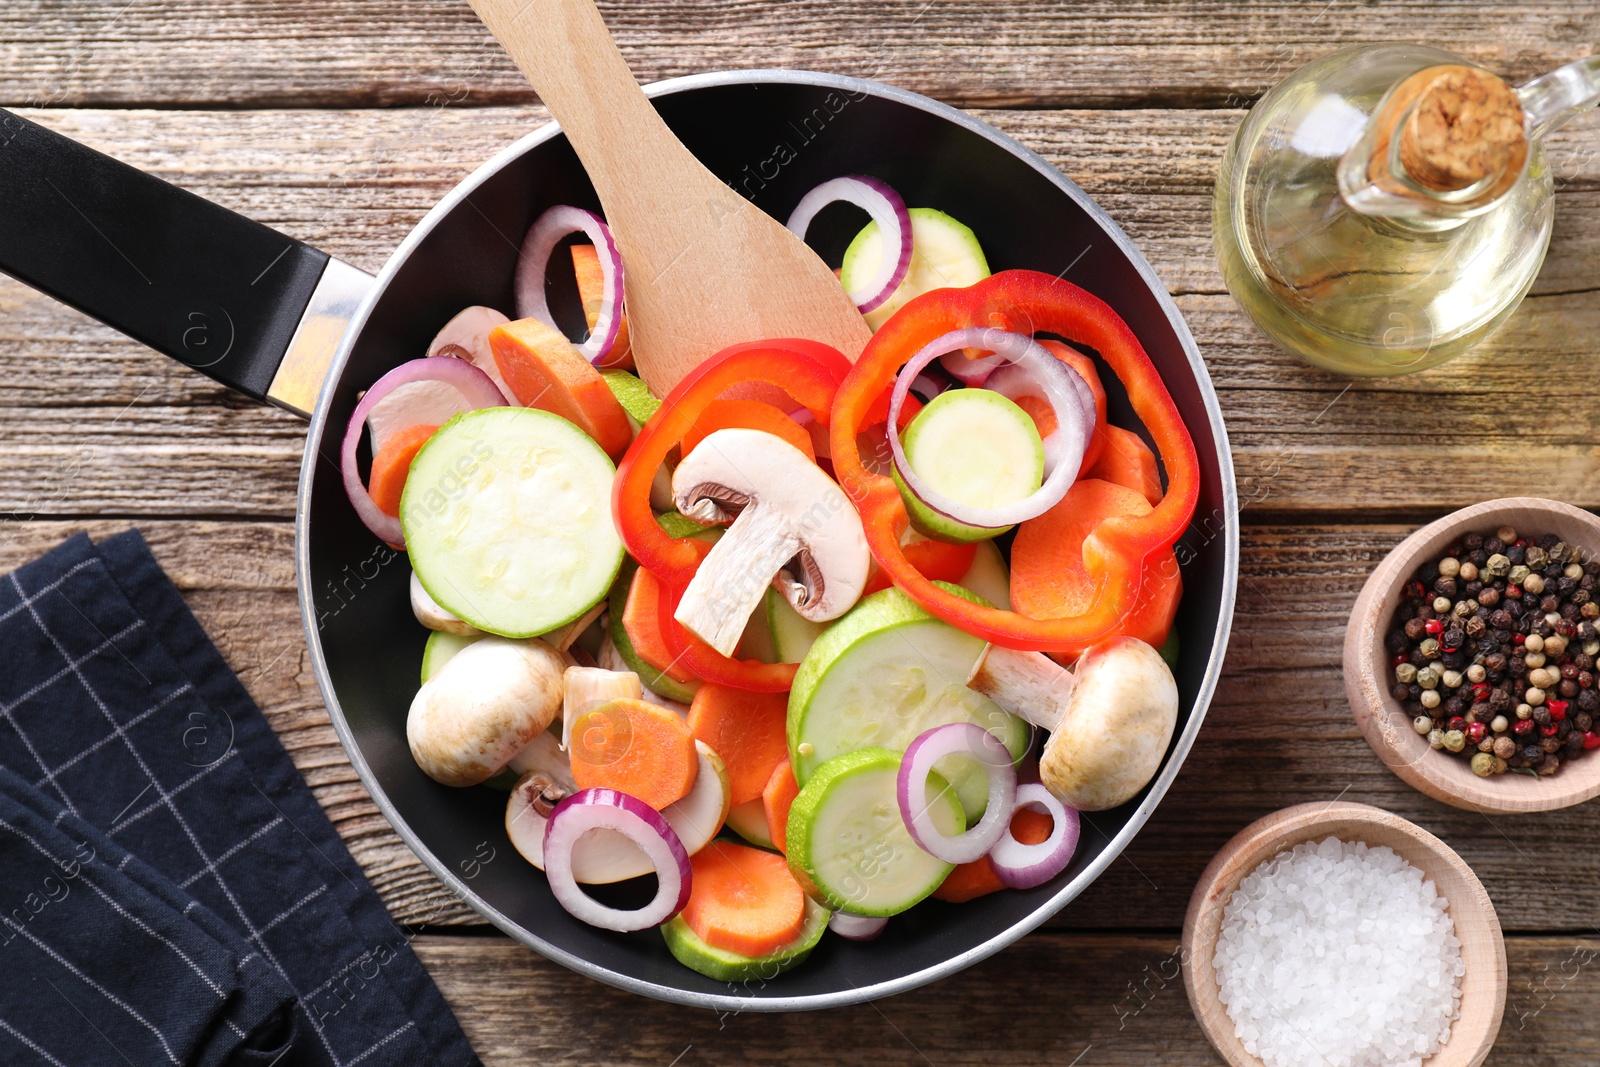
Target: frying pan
281, 321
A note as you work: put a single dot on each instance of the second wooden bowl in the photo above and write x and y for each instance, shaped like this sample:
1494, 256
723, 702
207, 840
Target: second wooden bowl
1483, 986
1367, 677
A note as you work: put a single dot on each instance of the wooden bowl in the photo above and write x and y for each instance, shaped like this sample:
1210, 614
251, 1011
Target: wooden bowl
1483, 986
1367, 677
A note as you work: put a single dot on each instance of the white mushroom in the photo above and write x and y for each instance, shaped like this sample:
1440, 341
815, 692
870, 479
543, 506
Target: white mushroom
434, 617
483, 707
793, 528
1110, 719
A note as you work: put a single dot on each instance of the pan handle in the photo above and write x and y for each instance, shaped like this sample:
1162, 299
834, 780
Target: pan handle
253, 308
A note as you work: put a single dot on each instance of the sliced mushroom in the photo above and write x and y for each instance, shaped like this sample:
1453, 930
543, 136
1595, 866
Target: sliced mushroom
792, 527
483, 707
1110, 719
563, 637
467, 337
434, 617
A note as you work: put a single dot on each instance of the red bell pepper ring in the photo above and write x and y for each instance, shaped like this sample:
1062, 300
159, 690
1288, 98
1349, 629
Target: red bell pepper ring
1024, 302
810, 373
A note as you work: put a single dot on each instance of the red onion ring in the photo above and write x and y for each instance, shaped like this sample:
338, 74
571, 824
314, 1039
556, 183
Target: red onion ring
1014, 382
1055, 381
1025, 866
471, 382
607, 809
880, 201
857, 927
534, 258
956, 738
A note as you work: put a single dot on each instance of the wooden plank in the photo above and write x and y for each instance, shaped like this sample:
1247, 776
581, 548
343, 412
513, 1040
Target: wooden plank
141, 436
1279, 731
1102, 53
1052, 998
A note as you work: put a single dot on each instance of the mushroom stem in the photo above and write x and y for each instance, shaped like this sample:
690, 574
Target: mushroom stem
734, 576
1030, 685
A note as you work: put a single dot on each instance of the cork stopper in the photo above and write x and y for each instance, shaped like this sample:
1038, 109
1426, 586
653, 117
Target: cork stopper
1466, 125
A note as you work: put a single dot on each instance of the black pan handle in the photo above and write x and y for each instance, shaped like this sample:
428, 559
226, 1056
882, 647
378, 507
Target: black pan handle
208, 287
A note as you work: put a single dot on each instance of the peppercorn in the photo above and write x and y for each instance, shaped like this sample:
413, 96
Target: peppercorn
1455, 740
1483, 765
1495, 628
1504, 747
1549, 765
1422, 724
1435, 738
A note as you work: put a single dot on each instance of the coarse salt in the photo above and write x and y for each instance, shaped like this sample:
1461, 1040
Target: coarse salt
1335, 954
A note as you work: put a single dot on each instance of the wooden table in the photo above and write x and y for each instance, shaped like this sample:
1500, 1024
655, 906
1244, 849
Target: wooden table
342, 121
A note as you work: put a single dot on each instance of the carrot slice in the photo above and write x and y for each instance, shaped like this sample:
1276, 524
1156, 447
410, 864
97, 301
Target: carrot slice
938, 561
545, 371
776, 797
1050, 575
748, 415
1127, 460
976, 879
591, 290
743, 900
641, 618
636, 748
747, 730
392, 465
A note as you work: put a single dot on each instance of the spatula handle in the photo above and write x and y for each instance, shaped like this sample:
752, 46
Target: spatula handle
567, 54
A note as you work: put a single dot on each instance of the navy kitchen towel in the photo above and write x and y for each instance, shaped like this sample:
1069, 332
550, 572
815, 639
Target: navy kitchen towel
170, 890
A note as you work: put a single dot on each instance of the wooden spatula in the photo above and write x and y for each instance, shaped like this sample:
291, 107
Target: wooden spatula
705, 268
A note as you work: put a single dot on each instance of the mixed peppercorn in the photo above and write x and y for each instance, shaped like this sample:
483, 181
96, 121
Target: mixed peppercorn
1493, 652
